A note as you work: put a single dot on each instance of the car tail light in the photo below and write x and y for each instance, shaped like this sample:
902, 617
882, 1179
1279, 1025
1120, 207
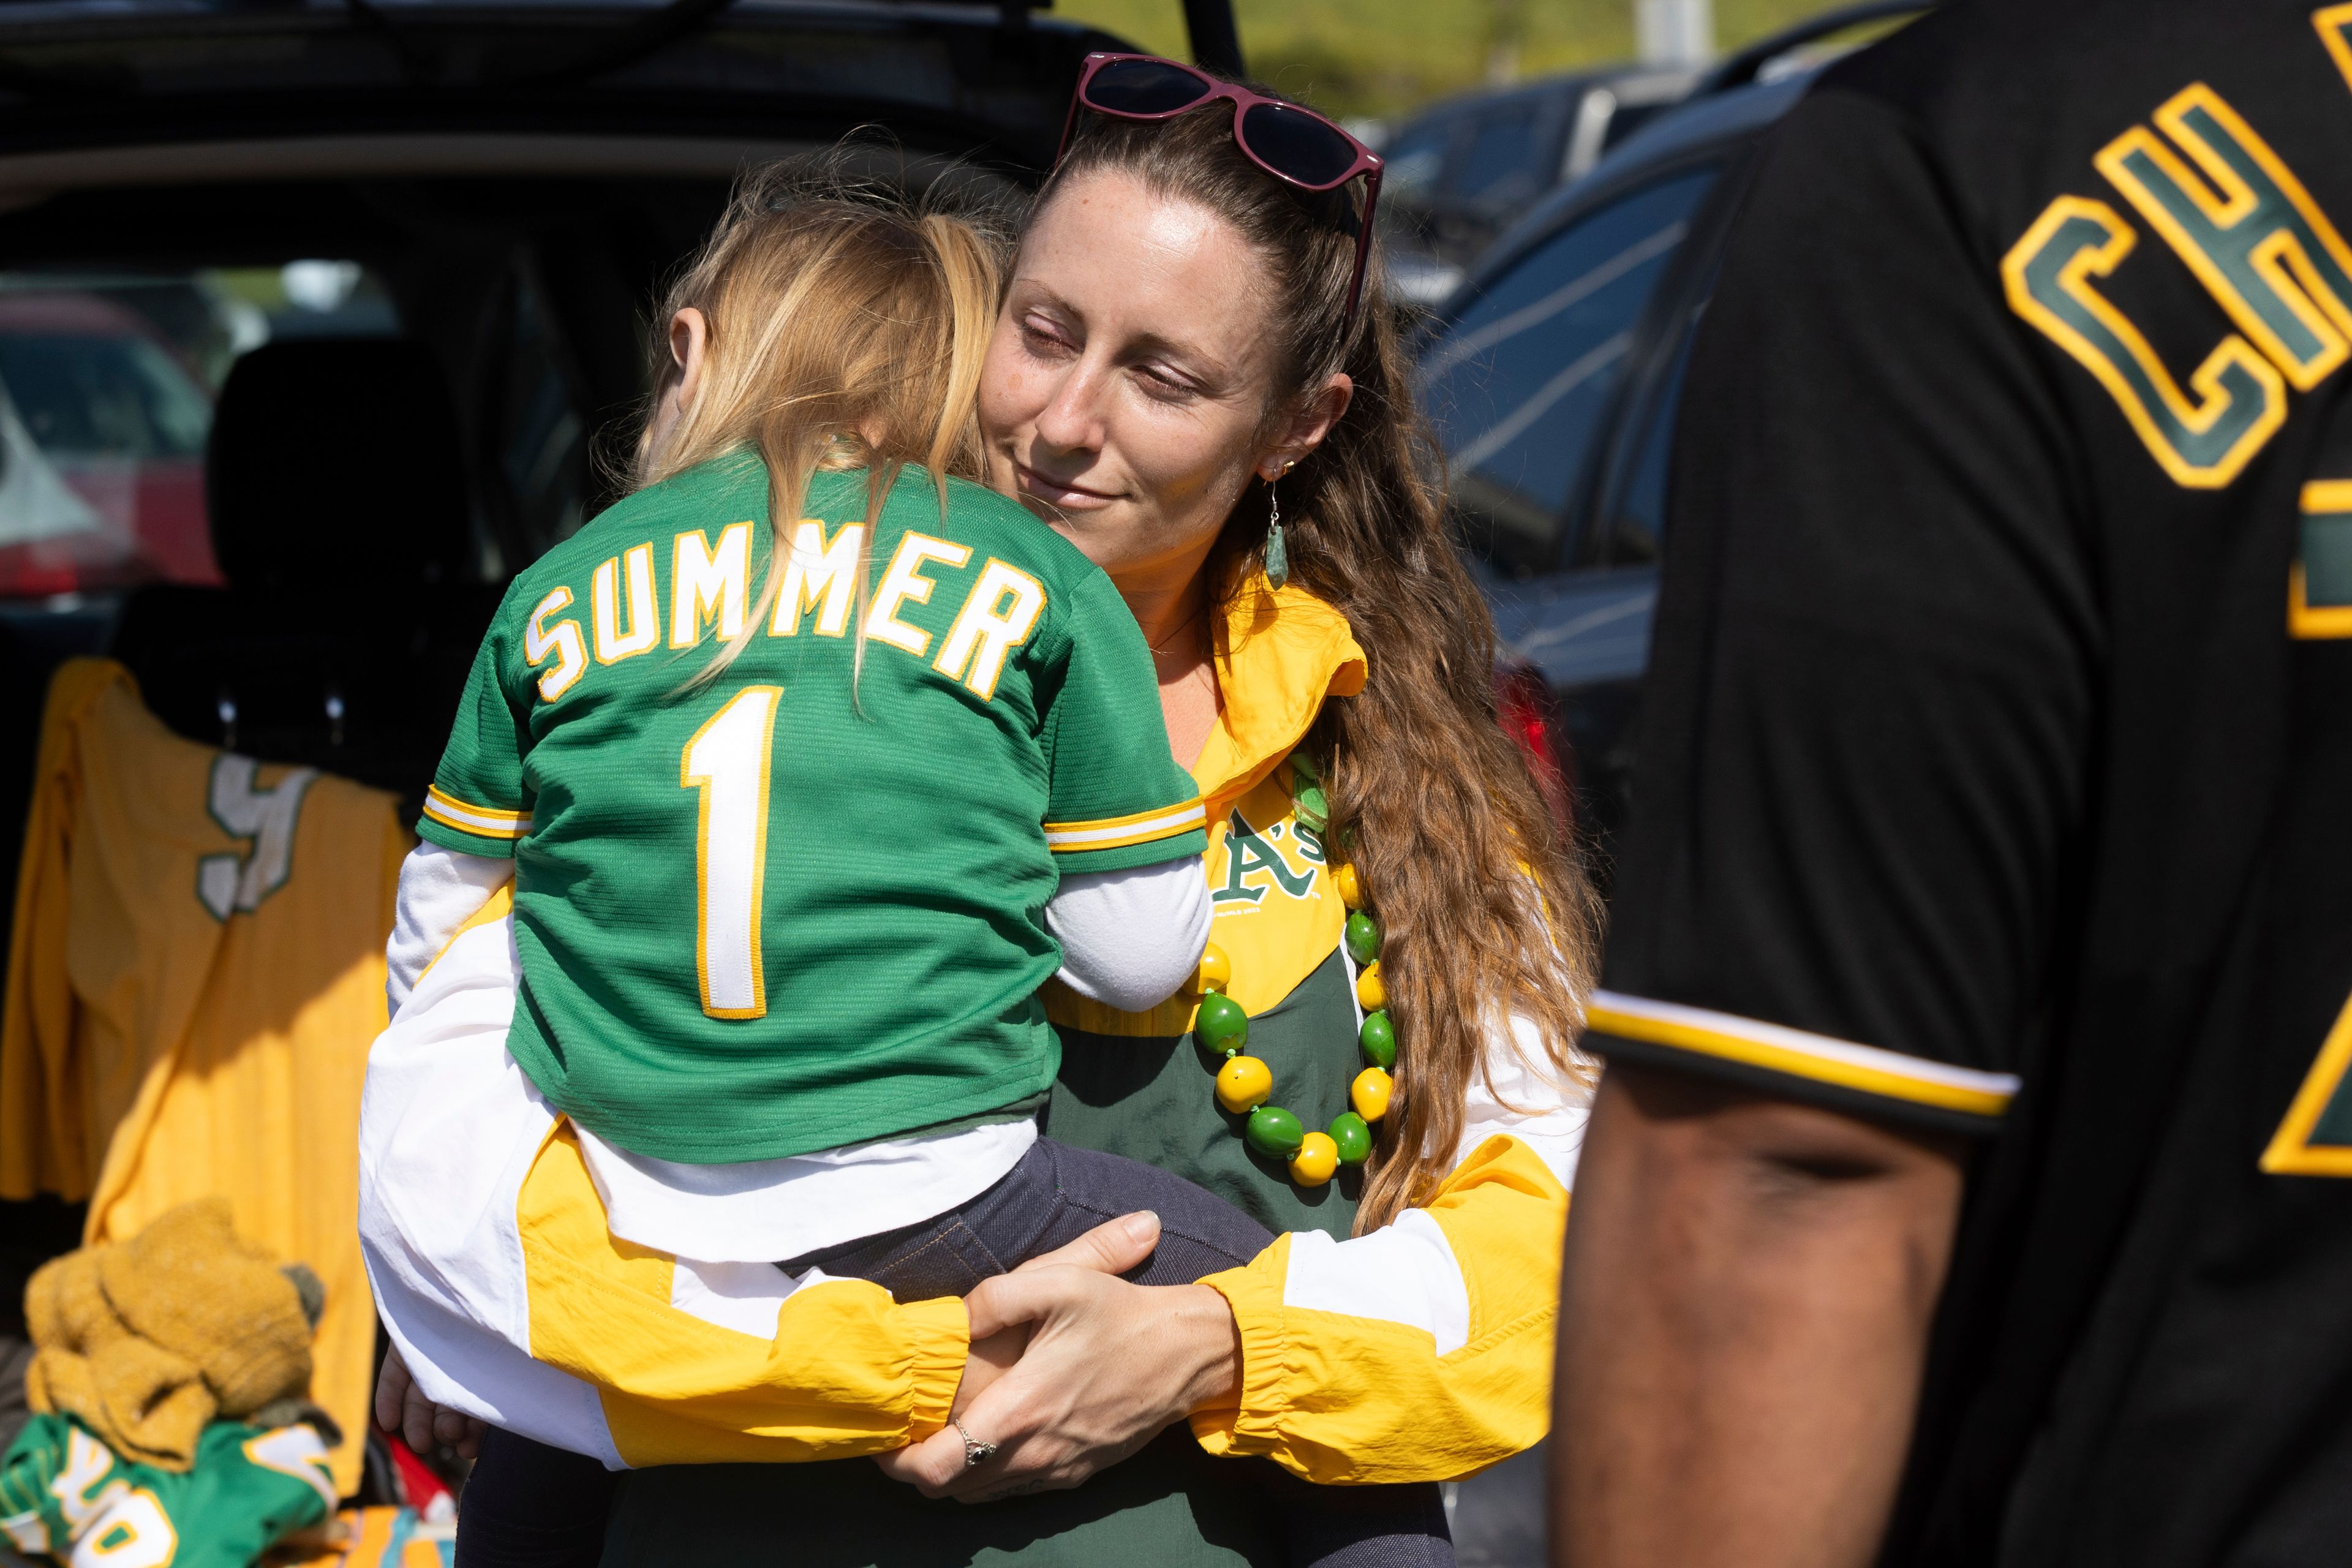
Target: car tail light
1523, 702
24, 574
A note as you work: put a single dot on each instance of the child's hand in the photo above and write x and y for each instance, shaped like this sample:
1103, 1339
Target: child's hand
991, 1359
401, 1410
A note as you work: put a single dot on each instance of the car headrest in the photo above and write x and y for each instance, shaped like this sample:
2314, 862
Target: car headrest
335, 464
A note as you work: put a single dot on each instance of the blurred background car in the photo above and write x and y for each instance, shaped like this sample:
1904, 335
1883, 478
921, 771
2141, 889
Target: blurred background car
106, 402
103, 439
1461, 172
1552, 376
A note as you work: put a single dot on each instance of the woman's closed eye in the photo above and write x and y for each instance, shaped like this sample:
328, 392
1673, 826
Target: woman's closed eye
1045, 338
1165, 383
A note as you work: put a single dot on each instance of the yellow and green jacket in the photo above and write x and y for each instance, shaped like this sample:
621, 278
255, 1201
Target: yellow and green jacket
1419, 1351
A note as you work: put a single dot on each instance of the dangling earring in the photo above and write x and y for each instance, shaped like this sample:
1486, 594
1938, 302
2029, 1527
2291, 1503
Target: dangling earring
1277, 553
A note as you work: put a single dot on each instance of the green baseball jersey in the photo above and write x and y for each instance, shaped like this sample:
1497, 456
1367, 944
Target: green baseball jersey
771, 913
66, 1495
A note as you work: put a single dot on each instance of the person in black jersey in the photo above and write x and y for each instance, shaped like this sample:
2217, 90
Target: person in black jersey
1979, 1006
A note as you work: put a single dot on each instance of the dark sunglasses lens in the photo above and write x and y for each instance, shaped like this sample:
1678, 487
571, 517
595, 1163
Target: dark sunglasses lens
1297, 143
1145, 87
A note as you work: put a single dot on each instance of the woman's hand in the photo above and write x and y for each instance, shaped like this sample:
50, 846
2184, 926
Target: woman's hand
1107, 1366
400, 1408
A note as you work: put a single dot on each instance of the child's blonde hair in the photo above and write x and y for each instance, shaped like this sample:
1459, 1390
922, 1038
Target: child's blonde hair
846, 324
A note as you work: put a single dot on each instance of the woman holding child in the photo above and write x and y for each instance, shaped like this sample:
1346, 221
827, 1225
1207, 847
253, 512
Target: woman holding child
1192, 378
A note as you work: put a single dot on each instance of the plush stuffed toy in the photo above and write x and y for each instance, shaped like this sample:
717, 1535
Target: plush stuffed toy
146, 1341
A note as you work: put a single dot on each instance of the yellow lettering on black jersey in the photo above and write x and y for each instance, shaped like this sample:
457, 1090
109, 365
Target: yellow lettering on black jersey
2202, 441
2319, 583
2334, 25
2253, 235
2246, 226
2315, 1139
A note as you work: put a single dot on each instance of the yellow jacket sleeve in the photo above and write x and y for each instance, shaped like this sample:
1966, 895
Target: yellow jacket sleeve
847, 1371
1348, 1400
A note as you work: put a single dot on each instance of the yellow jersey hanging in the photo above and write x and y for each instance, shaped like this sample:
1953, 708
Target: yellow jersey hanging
195, 977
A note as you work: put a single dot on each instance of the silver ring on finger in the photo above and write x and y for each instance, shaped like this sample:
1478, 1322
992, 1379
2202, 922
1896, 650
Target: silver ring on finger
975, 1452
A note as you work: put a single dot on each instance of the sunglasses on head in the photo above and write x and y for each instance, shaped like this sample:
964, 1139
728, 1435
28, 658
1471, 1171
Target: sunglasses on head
1296, 146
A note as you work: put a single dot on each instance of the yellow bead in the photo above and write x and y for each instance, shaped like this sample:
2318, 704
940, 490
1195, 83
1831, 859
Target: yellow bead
1371, 994
1370, 1093
1244, 1082
1351, 890
1317, 1157
1216, 971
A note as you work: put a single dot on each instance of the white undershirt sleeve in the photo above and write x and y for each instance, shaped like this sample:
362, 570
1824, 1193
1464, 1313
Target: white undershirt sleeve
440, 890
1130, 938
1405, 1272
1524, 1094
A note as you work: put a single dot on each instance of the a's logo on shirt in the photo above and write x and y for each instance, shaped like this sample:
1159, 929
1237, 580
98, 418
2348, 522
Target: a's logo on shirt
2243, 223
1255, 864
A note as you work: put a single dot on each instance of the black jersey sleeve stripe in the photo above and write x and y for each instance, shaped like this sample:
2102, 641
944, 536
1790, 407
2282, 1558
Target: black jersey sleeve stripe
1775, 1057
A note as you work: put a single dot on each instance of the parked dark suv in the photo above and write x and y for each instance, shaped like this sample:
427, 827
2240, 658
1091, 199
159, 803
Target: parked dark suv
1553, 375
1461, 172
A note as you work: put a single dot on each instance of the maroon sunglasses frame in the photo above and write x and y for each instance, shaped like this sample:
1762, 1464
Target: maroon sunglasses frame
1367, 163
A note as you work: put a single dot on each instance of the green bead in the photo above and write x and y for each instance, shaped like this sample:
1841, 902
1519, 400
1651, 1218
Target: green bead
1275, 1132
1221, 1024
1304, 766
1314, 810
1363, 937
1354, 1136
1378, 1036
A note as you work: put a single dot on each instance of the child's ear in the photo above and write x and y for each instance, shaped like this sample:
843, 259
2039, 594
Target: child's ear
689, 344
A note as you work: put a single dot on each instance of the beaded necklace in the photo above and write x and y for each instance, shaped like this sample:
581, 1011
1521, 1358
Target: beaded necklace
1244, 1083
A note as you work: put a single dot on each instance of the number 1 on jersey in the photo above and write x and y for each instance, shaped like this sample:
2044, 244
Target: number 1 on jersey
727, 760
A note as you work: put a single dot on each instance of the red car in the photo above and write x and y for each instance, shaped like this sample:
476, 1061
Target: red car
101, 450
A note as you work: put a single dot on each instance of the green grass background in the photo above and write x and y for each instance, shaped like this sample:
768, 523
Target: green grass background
1388, 57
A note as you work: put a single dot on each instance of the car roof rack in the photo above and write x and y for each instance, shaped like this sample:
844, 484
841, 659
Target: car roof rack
1748, 64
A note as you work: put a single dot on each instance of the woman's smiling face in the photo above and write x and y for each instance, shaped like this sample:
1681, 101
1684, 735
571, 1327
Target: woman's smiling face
1127, 385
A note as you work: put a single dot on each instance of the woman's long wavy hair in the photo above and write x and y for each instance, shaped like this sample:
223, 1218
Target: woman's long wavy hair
1485, 911
847, 327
